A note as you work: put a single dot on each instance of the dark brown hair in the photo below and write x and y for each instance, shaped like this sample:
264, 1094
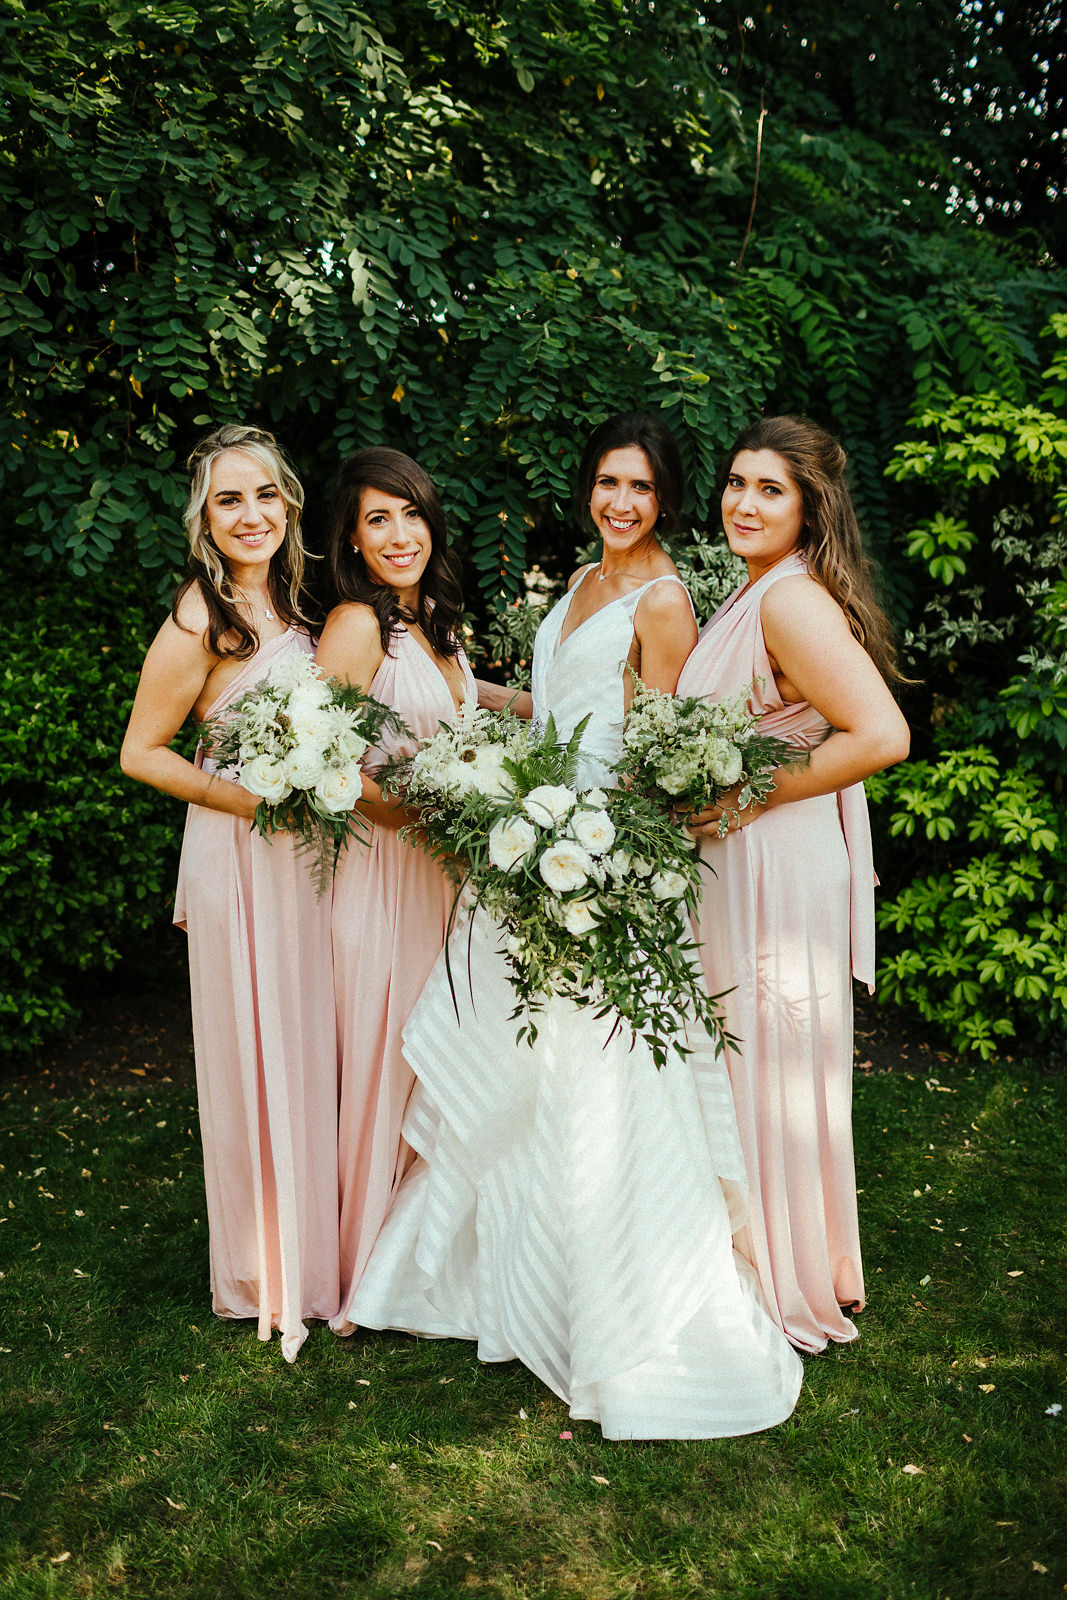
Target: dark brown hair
652, 435
830, 537
208, 571
440, 604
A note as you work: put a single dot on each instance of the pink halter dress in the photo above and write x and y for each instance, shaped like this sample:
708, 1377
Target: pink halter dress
785, 922
266, 1064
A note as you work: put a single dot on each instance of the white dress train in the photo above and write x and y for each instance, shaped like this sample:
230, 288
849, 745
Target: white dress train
572, 1206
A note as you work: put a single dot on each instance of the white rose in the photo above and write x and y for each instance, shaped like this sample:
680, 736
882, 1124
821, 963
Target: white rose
339, 788
549, 803
594, 831
595, 797
640, 867
304, 766
510, 842
266, 778
565, 866
668, 886
578, 917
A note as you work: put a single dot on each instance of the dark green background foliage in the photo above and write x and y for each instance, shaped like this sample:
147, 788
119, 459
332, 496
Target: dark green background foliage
473, 231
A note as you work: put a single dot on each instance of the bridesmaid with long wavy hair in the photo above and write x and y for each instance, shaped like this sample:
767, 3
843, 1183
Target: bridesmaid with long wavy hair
259, 941
788, 918
393, 632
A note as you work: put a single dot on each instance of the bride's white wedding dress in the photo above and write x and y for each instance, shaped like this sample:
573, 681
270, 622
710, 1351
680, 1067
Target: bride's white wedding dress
570, 1205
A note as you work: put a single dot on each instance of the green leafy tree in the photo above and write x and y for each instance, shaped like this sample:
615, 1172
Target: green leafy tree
471, 230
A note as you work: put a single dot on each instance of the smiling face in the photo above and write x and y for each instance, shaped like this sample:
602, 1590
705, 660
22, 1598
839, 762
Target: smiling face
394, 539
245, 514
762, 510
623, 503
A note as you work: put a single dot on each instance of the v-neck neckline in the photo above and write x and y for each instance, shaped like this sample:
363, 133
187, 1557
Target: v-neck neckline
566, 638
423, 651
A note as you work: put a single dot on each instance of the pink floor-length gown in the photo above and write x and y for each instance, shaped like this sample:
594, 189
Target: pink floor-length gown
785, 923
266, 1063
390, 915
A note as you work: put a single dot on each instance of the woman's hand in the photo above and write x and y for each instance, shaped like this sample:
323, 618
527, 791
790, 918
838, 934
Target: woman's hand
705, 824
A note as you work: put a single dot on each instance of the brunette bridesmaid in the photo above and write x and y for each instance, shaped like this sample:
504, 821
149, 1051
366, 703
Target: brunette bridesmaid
788, 917
393, 632
259, 941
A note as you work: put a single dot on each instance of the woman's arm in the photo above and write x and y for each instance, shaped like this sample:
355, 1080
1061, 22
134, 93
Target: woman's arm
351, 649
815, 652
175, 671
666, 632
498, 697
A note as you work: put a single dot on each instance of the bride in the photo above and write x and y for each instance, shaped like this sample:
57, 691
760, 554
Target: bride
571, 1206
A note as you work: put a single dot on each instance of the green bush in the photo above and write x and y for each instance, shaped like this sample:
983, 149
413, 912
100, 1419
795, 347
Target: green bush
87, 859
979, 945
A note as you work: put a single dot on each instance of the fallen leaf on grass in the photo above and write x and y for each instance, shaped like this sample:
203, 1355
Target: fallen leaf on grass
445, 1380
175, 1505
351, 1405
598, 1479
522, 1415
1053, 1410
364, 1382
434, 1543
566, 1436
1037, 1567
987, 1388
5, 1496
968, 1438
911, 1470
1019, 1274
78, 1273
55, 1560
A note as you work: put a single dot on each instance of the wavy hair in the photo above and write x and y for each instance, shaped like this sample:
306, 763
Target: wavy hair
651, 434
440, 604
830, 537
208, 570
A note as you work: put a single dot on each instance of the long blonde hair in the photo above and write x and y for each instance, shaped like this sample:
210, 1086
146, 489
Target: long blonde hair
208, 569
830, 537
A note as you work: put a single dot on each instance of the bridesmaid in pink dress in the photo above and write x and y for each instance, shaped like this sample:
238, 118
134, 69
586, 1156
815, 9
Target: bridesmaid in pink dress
394, 634
259, 941
788, 918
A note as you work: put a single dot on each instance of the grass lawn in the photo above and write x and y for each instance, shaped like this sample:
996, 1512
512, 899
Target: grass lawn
148, 1449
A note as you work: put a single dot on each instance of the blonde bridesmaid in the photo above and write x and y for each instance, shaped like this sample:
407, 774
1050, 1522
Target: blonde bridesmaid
393, 633
788, 917
259, 941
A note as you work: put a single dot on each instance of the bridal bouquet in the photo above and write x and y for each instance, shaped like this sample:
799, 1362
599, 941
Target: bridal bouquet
591, 888
686, 754
296, 741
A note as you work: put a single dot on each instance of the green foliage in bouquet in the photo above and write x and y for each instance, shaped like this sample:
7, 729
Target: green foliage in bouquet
591, 889
979, 945
686, 753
